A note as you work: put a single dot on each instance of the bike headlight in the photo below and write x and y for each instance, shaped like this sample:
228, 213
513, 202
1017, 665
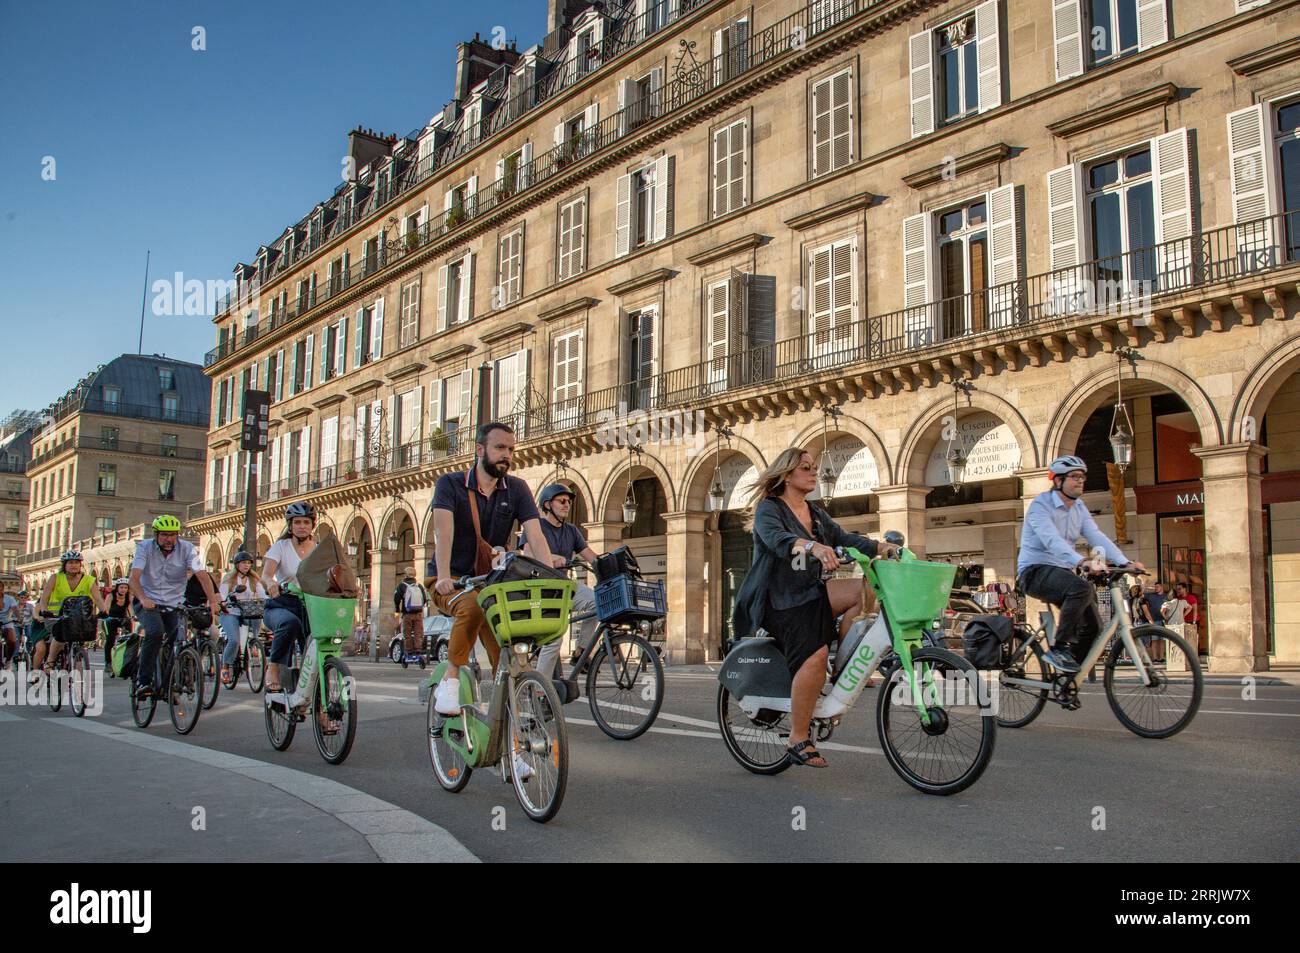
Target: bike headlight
645, 626
338, 641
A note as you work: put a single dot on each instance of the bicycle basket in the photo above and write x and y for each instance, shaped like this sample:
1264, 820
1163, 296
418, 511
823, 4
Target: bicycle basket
251, 609
913, 592
327, 618
536, 609
200, 618
77, 620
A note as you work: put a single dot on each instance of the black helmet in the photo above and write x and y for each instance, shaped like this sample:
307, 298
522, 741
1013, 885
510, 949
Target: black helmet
551, 492
242, 556
301, 508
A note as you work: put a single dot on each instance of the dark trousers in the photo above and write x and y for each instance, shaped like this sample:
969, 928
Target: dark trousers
157, 626
288, 628
1077, 598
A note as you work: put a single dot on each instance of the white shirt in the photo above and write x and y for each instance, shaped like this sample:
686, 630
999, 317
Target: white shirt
287, 561
255, 590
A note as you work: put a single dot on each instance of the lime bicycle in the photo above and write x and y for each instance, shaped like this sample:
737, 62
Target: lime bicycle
318, 683
934, 716
522, 722
1152, 676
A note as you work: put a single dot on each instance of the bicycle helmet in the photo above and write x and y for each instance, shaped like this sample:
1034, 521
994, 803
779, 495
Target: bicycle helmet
121, 581
242, 556
1067, 464
551, 492
301, 508
166, 524
70, 556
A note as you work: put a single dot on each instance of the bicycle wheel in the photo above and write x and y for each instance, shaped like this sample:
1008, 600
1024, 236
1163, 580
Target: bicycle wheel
1168, 705
280, 723
950, 753
211, 673
185, 690
538, 739
79, 688
759, 743
142, 709
448, 766
254, 664
338, 700
1018, 705
54, 680
625, 691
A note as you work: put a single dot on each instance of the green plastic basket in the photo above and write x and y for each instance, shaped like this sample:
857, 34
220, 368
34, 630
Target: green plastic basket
914, 592
329, 619
536, 609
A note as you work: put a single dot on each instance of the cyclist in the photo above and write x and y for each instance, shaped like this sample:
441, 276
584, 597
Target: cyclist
240, 585
9, 606
784, 591
565, 540
1054, 521
408, 603
69, 581
119, 618
159, 573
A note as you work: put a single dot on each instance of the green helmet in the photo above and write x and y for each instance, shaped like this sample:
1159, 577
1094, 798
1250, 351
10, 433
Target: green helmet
166, 524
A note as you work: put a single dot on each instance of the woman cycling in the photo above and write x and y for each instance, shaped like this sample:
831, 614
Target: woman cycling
243, 584
784, 591
119, 618
284, 616
69, 581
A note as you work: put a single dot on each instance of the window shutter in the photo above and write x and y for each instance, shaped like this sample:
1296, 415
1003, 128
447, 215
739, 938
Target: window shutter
578, 249
920, 48
500, 170
329, 447
566, 240
442, 298
1244, 5
719, 319
324, 353
623, 217
279, 375
415, 426
721, 169
918, 279
1004, 258
842, 119
308, 355
377, 330
357, 335
466, 408
293, 369
341, 347
629, 115
1067, 27
760, 328
466, 312
1174, 207
821, 127
988, 54
1064, 203
819, 314
304, 456
275, 461
844, 293
663, 223
471, 199
558, 138
739, 164
435, 405
268, 377
521, 407
1153, 23
1254, 193
590, 122
526, 165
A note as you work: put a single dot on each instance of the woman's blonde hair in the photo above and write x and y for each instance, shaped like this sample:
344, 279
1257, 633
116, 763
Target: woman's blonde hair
234, 572
771, 482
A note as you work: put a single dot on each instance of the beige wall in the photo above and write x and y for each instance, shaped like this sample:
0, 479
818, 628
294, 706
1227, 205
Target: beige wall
1282, 430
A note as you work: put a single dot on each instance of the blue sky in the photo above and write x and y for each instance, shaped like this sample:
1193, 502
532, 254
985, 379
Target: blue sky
198, 157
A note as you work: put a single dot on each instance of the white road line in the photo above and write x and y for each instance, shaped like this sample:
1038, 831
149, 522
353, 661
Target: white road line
393, 833
1224, 711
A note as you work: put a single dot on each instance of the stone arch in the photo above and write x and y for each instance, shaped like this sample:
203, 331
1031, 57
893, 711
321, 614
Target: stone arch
609, 508
357, 517
215, 556
1096, 390
699, 473
391, 518
264, 540
1261, 385
853, 427
324, 519
912, 462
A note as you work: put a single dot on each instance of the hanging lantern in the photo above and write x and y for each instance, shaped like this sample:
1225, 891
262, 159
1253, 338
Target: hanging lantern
391, 542
826, 481
1121, 447
717, 495
353, 547
1121, 427
956, 467
629, 505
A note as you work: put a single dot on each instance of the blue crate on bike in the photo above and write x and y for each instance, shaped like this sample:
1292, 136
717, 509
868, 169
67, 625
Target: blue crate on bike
624, 597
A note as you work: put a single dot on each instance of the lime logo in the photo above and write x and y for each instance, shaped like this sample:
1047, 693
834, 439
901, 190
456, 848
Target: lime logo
857, 667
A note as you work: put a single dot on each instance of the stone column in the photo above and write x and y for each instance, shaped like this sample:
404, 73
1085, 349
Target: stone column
902, 507
688, 549
383, 579
1234, 553
423, 553
1032, 483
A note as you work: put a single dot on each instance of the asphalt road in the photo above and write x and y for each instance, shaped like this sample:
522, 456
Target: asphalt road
1224, 789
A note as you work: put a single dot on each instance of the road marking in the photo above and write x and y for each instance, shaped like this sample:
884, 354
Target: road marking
698, 722
716, 735
1224, 711
393, 833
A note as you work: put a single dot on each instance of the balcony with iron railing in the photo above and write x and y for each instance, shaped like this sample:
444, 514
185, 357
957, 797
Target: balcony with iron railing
97, 405
111, 445
783, 38
1129, 285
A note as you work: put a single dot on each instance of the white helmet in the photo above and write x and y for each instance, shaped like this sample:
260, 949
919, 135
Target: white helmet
1067, 464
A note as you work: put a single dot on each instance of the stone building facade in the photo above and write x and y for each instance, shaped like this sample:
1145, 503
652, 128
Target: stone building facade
714, 230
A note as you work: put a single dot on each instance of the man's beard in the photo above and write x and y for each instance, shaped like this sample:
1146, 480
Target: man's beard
498, 469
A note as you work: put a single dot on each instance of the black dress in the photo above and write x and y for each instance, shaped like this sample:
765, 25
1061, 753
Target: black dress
803, 630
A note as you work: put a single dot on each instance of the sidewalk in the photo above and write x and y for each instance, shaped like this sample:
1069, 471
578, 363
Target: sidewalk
126, 795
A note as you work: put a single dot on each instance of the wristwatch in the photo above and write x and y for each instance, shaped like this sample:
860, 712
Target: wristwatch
808, 547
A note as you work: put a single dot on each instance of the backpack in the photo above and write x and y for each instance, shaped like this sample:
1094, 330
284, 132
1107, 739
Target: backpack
126, 655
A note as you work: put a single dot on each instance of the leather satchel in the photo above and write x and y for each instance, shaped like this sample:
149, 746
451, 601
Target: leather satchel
484, 555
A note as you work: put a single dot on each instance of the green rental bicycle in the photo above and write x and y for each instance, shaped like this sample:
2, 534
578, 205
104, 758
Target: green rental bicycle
934, 715
321, 683
523, 721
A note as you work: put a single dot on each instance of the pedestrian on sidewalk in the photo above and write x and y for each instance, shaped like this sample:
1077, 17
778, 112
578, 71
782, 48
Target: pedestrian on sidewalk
409, 600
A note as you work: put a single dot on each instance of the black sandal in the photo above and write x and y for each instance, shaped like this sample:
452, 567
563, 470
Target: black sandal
800, 754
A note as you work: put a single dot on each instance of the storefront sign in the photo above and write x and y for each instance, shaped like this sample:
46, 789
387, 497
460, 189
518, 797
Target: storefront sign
1185, 497
991, 450
739, 477
854, 467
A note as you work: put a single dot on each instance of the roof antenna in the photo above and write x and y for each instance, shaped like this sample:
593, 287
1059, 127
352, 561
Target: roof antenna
144, 295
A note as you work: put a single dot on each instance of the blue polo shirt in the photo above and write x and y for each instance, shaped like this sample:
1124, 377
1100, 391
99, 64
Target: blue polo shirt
509, 503
564, 540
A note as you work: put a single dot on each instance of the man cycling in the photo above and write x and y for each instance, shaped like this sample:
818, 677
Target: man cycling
69, 581
159, 573
1054, 521
9, 607
565, 540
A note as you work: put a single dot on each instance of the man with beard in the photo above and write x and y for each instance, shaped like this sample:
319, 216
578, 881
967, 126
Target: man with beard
500, 502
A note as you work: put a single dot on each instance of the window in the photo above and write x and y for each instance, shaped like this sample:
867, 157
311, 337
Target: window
963, 268
656, 14
169, 444
575, 138
333, 350
639, 100
107, 482
108, 437
171, 407
112, 399
832, 317
407, 427
513, 171
1121, 213
584, 47
566, 378
1092, 33
955, 71
12, 518
105, 524
572, 238
58, 493
450, 411
644, 211
455, 291
731, 50
409, 328
364, 333
9, 561
166, 379
14, 489
730, 167
832, 123
641, 363
1287, 133
511, 391
510, 269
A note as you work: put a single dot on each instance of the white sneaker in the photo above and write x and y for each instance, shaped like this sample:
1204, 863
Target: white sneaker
446, 698
521, 768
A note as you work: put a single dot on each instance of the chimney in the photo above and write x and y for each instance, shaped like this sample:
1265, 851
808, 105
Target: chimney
364, 147
560, 13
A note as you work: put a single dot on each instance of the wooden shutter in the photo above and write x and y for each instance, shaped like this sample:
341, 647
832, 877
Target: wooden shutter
377, 330
721, 170
279, 374
565, 241
841, 119
920, 49
663, 222
843, 294
590, 128
988, 55
293, 369
525, 174
578, 243
1004, 257
341, 347
442, 298
918, 280
304, 456
357, 335
435, 406
1244, 5
629, 113
820, 297
329, 447
1067, 29
1065, 238
466, 311
717, 324
1174, 208
1153, 23
821, 127
325, 336
309, 356
1254, 187
623, 217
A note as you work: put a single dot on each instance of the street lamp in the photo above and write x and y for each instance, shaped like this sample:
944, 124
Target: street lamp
956, 459
717, 492
826, 478
629, 501
353, 546
1121, 427
391, 542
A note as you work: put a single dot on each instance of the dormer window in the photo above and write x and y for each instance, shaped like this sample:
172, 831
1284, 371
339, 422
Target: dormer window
315, 229
585, 46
